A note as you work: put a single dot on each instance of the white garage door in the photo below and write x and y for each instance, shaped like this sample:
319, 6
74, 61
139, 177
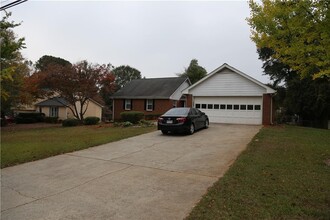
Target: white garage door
233, 110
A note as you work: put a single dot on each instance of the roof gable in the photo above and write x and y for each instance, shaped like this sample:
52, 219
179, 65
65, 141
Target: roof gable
154, 88
228, 81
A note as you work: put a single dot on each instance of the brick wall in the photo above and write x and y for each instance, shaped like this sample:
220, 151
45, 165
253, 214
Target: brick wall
189, 100
160, 107
267, 110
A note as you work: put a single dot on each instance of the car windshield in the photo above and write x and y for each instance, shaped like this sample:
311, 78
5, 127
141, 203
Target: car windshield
177, 112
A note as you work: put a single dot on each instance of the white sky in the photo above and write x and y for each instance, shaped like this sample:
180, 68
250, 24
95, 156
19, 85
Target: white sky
157, 38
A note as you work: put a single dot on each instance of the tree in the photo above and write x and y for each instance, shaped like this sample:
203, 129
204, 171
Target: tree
308, 98
125, 74
46, 60
14, 68
107, 87
194, 72
298, 33
77, 83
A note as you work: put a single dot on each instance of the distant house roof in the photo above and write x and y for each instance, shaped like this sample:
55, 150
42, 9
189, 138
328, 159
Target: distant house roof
54, 102
154, 88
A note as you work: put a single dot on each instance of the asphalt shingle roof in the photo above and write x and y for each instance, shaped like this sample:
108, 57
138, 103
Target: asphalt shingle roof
154, 88
55, 102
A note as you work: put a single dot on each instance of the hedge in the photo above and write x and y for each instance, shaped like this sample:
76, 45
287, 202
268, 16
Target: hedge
91, 120
28, 118
133, 117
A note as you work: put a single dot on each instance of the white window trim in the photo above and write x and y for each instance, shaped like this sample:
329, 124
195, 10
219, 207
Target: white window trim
53, 111
152, 105
128, 102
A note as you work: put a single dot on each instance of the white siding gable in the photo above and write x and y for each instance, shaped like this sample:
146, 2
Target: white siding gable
178, 93
227, 83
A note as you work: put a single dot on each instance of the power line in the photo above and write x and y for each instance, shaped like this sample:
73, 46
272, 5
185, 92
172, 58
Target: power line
17, 2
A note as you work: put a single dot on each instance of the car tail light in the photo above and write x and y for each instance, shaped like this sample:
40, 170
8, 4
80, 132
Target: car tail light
181, 120
160, 120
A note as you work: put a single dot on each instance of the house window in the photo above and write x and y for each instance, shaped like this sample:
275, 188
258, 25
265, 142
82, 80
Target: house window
222, 106
236, 107
175, 104
149, 104
243, 107
216, 106
209, 106
230, 107
128, 104
203, 106
257, 107
197, 105
250, 107
53, 111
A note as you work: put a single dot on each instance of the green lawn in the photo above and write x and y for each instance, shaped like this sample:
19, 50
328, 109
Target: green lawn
27, 145
283, 174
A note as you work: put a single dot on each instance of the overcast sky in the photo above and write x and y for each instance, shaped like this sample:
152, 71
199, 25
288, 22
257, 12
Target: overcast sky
157, 38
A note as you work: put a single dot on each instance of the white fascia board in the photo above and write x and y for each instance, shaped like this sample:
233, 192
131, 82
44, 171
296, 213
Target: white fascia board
172, 97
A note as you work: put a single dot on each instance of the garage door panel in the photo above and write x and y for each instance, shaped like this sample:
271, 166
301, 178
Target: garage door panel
249, 112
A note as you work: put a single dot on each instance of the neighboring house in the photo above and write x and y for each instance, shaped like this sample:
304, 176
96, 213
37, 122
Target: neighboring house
58, 107
228, 95
153, 96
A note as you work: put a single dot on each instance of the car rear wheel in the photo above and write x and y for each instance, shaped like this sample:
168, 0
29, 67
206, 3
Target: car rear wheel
192, 129
164, 132
206, 124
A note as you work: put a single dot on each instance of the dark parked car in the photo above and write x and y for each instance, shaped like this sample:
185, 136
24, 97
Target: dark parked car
182, 120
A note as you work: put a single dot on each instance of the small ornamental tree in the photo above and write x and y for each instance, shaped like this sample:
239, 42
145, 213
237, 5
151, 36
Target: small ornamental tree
77, 83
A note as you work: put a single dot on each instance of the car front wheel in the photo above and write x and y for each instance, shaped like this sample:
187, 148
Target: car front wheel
206, 124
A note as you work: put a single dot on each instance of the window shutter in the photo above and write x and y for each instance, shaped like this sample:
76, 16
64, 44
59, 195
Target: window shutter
145, 104
124, 100
131, 104
153, 104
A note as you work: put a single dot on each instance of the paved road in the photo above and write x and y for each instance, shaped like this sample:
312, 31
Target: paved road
151, 176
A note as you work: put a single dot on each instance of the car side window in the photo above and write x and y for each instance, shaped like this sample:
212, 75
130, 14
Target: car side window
193, 112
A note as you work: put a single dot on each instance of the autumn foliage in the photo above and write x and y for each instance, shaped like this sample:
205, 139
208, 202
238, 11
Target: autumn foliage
77, 83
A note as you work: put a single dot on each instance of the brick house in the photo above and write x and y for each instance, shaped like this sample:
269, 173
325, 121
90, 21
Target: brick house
152, 96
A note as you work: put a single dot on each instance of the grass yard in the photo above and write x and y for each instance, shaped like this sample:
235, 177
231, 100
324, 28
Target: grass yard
283, 174
28, 145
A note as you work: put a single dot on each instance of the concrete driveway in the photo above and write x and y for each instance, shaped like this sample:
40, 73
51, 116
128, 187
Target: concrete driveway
151, 176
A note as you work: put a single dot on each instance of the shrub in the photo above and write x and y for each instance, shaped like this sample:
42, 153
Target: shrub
91, 120
30, 117
52, 120
70, 122
133, 117
127, 124
145, 123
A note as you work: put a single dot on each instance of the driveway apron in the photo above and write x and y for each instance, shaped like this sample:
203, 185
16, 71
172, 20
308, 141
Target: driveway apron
151, 176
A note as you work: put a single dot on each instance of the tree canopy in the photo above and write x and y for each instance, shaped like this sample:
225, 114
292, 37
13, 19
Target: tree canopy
194, 71
297, 32
46, 60
125, 74
14, 68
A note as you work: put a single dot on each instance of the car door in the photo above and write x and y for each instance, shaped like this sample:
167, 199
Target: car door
198, 118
